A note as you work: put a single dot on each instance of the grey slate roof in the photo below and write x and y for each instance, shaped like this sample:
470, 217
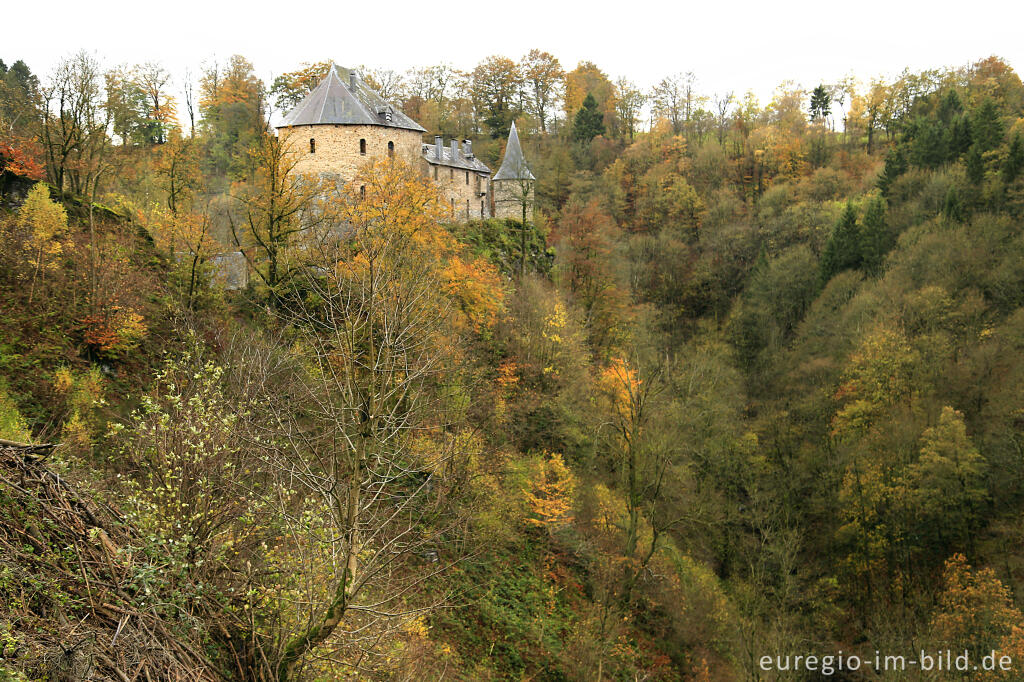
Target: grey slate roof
460, 161
513, 166
334, 101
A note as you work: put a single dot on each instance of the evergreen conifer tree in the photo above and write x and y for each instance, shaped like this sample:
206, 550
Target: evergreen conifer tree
589, 121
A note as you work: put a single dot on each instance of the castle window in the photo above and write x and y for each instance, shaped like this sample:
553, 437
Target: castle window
391, 148
453, 206
481, 208
467, 177
362, 191
435, 172
451, 173
467, 205
312, 146
362, 147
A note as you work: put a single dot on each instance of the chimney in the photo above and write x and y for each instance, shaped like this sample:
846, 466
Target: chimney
455, 150
352, 80
438, 147
467, 148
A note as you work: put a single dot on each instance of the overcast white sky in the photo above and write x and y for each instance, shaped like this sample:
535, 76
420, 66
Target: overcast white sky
732, 45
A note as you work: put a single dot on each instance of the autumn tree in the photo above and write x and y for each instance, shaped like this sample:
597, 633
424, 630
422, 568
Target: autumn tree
74, 124
545, 80
289, 88
495, 89
640, 452
672, 99
127, 104
629, 102
550, 495
178, 171
233, 110
45, 223
586, 240
273, 211
975, 612
371, 458
154, 80
948, 481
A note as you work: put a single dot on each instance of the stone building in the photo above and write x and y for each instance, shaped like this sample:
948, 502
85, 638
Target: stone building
462, 177
513, 184
344, 122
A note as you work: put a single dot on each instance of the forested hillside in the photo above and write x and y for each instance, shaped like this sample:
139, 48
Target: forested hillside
747, 383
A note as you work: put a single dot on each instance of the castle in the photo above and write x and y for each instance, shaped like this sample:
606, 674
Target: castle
343, 122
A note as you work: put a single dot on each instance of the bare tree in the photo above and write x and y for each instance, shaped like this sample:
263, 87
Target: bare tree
358, 431
722, 104
190, 102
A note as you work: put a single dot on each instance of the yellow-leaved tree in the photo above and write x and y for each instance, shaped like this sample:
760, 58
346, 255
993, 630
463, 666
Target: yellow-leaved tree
46, 224
550, 495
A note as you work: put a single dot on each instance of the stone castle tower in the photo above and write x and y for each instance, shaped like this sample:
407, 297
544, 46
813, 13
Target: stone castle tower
513, 183
343, 122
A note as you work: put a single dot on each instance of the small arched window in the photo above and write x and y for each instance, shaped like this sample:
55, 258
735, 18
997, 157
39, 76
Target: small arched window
362, 147
435, 172
312, 146
467, 209
481, 209
362, 191
391, 148
467, 177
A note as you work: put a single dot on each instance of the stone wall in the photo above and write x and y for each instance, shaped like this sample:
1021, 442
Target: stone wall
337, 149
508, 199
464, 191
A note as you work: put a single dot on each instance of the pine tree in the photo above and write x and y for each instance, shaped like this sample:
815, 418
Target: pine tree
954, 208
843, 250
821, 103
895, 166
960, 136
950, 107
988, 127
975, 166
875, 238
589, 121
1014, 162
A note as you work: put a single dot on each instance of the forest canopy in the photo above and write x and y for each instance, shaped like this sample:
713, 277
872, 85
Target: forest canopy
743, 381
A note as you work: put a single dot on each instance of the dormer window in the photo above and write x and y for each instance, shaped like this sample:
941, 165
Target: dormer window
362, 146
312, 146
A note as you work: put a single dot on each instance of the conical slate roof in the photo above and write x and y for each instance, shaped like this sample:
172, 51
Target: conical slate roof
342, 98
513, 166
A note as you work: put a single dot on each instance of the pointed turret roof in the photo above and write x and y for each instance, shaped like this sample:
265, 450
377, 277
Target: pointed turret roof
342, 98
513, 166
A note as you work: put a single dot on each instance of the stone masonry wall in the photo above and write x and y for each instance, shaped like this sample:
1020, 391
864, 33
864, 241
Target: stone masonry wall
508, 200
462, 196
337, 147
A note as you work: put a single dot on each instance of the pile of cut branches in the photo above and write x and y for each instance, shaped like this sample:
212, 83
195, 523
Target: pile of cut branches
69, 609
